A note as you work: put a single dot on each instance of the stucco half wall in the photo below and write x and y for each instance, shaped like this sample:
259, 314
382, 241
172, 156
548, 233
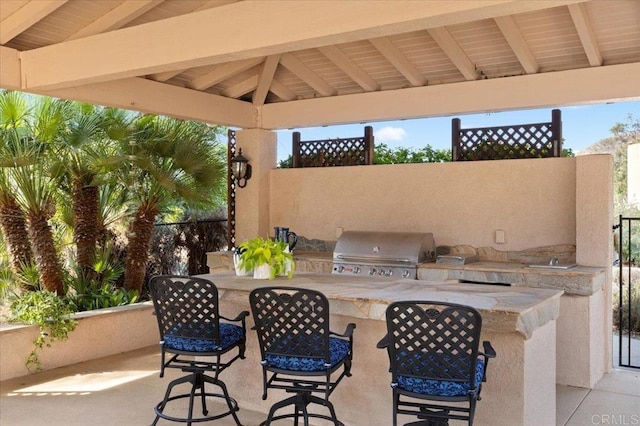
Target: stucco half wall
533, 201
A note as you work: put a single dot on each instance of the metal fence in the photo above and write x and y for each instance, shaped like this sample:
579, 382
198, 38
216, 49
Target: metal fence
182, 247
628, 308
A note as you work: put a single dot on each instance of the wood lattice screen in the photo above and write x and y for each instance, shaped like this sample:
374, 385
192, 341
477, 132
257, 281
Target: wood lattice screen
536, 140
231, 192
333, 152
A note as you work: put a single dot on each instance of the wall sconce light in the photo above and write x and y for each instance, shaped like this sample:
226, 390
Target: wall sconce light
240, 169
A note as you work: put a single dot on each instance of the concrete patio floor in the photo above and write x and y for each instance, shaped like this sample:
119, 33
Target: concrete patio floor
122, 390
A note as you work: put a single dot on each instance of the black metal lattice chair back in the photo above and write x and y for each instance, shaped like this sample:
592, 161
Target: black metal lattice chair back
190, 326
292, 325
434, 355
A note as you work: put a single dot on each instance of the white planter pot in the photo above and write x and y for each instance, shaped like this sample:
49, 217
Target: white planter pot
262, 272
240, 271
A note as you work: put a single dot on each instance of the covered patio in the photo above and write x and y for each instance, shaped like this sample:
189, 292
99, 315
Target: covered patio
265, 65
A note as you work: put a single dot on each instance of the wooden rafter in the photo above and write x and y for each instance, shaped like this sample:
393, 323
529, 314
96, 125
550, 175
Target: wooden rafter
350, 68
241, 88
398, 60
26, 16
520, 48
452, 49
116, 18
222, 73
586, 34
164, 76
266, 77
305, 74
281, 91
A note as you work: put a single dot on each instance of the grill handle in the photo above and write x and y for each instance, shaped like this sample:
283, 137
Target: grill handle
374, 259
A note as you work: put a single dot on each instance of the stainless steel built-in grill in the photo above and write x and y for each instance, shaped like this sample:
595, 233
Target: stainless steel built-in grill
382, 254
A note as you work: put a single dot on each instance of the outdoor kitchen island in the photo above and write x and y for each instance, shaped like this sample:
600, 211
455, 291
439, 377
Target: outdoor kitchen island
519, 322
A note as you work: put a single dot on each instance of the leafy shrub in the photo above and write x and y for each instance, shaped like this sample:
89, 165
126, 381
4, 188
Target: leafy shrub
51, 313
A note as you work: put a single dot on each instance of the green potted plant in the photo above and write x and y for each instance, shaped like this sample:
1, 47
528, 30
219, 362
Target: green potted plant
266, 258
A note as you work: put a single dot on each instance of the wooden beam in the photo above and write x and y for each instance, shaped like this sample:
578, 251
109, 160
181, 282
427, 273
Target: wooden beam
608, 83
28, 15
249, 29
398, 60
149, 96
350, 68
9, 69
281, 91
266, 77
164, 76
585, 32
241, 88
520, 48
222, 73
116, 18
451, 48
305, 74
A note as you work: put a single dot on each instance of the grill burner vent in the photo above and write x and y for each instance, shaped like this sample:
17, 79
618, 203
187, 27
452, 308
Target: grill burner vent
383, 254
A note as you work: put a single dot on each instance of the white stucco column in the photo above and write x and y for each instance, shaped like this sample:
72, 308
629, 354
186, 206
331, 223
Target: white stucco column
585, 325
259, 146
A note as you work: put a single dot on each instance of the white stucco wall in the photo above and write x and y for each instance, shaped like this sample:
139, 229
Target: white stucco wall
533, 201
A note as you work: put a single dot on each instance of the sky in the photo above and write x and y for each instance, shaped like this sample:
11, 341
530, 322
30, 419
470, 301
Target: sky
581, 126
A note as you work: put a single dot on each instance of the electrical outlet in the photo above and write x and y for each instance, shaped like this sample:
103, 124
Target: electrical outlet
501, 236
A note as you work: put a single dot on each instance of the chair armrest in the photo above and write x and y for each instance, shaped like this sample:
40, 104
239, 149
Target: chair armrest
348, 332
489, 352
383, 343
241, 316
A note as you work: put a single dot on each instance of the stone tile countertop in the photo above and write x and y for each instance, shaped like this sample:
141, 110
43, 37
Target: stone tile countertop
579, 280
504, 309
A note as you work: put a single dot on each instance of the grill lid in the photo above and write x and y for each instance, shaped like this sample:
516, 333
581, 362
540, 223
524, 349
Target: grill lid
392, 248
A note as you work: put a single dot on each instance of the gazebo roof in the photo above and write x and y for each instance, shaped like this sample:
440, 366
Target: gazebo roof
282, 64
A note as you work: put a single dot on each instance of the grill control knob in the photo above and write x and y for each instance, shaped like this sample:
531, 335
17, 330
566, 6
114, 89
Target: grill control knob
340, 268
372, 271
356, 269
388, 273
405, 274
381, 272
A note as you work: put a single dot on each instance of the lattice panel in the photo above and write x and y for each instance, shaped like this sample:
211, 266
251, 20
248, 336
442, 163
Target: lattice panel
433, 341
290, 322
231, 192
338, 152
333, 152
536, 140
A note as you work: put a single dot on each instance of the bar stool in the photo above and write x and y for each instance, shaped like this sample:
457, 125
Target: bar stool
299, 353
190, 327
436, 368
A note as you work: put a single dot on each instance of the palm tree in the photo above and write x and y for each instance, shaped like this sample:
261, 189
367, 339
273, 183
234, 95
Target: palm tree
164, 160
27, 178
13, 222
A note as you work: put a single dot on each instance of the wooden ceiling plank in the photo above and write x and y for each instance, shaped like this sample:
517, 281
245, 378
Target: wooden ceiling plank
350, 68
585, 32
398, 60
518, 44
164, 76
222, 73
265, 79
25, 17
282, 91
241, 88
157, 46
116, 18
451, 48
305, 74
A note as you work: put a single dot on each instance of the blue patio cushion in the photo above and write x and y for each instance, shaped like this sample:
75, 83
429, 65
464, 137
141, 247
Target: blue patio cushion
230, 334
441, 387
338, 349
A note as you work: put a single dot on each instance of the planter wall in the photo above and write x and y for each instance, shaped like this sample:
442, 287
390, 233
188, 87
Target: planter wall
99, 333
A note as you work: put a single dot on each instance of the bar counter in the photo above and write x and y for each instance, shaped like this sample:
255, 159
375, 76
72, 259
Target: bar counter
519, 322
